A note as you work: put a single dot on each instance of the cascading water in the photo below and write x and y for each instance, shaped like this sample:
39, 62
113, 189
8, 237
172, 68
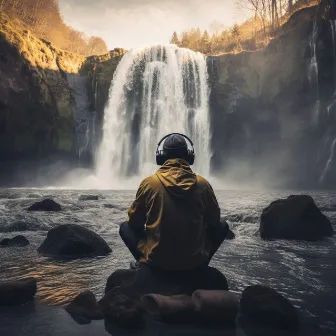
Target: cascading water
314, 74
155, 91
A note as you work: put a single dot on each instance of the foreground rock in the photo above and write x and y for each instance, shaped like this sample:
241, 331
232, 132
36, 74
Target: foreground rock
18, 241
267, 307
122, 307
170, 309
296, 217
71, 240
216, 306
17, 292
147, 280
119, 278
88, 198
85, 308
45, 205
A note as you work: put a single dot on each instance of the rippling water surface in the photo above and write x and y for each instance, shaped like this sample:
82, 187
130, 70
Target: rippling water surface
304, 272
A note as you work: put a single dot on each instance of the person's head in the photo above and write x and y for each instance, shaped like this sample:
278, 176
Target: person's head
175, 147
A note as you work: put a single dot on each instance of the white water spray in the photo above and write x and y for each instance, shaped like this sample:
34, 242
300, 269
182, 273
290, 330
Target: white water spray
155, 91
314, 74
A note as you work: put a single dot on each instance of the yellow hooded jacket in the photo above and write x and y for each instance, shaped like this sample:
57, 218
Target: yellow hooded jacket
175, 207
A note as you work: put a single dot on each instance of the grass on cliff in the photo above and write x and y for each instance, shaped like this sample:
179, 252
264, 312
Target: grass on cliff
39, 53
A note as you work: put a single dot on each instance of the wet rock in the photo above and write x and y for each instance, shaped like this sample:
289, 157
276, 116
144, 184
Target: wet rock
296, 217
120, 277
109, 206
21, 226
170, 309
149, 280
45, 205
71, 240
267, 307
5, 242
230, 235
18, 241
122, 308
85, 307
216, 306
17, 292
88, 198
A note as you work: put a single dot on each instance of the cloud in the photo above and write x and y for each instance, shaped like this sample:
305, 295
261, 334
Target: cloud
134, 23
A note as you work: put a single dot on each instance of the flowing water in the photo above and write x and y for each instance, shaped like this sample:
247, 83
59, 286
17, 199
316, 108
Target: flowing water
155, 91
304, 272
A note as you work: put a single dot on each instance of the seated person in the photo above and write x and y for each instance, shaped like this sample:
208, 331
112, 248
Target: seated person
174, 223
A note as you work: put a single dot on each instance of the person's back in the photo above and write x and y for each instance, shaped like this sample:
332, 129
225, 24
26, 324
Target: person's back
179, 213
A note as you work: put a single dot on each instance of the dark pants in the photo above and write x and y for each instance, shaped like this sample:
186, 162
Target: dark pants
131, 238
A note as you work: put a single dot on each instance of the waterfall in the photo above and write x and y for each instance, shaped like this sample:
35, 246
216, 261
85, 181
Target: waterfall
333, 33
314, 74
155, 91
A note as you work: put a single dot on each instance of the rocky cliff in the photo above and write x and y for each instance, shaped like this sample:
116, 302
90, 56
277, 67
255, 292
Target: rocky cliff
48, 97
271, 115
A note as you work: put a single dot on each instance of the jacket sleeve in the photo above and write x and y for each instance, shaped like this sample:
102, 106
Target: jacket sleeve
137, 212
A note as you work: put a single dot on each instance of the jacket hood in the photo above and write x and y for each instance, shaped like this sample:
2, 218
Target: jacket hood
177, 177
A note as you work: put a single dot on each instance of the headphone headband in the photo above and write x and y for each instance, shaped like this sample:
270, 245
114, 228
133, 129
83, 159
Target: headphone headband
168, 135
161, 157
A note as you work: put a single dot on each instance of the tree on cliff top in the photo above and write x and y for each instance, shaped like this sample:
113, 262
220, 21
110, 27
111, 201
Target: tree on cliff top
43, 17
265, 23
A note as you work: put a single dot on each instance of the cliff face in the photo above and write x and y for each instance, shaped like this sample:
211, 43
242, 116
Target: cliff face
269, 107
50, 100
35, 97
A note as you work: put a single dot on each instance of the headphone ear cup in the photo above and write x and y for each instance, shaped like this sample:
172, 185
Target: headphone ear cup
160, 158
191, 157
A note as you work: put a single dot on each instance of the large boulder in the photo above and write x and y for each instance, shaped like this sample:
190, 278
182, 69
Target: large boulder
45, 205
119, 278
296, 217
71, 240
85, 307
148, 280
265, 306
17, 292
18, 241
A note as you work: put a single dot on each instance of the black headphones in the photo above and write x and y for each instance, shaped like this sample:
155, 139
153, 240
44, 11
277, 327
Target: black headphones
161, 158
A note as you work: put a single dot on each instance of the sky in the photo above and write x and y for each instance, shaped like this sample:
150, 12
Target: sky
136, 23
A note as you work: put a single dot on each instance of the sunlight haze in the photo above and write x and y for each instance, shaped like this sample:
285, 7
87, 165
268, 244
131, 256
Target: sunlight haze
135, 23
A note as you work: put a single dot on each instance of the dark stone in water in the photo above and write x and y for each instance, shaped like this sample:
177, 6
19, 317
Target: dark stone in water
230, 235
148, 280
267, 307
18, 241
17, 292
88, 198
296, 217
5, 242
120, 277
109, 206
85, 307
45, 205
21, 226
216, 306
71, 240
122, 307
